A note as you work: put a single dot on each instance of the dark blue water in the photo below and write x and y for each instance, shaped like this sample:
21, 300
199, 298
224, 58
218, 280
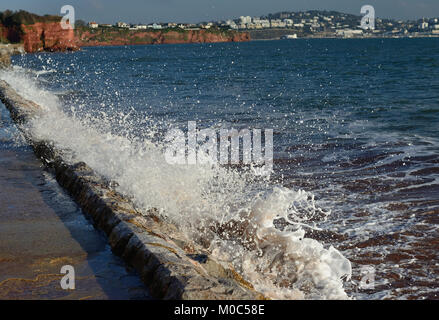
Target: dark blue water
355, 122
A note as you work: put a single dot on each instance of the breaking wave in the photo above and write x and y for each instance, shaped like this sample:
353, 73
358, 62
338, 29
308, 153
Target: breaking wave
243, 219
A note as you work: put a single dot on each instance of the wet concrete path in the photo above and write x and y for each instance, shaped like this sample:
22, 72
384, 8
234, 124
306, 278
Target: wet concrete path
42, 229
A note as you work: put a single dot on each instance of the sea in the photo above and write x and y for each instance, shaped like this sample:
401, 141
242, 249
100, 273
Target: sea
350, 209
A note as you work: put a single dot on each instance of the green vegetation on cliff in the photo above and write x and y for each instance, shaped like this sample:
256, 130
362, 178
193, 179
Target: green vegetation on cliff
11, 22
10, 18
44, 33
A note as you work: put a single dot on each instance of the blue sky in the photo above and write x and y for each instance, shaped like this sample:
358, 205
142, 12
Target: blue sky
145, 11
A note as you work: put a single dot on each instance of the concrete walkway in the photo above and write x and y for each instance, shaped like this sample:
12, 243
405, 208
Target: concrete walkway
42, 229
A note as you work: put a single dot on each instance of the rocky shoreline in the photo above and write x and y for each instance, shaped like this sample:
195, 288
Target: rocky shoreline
6, 51
119, 37
170, 265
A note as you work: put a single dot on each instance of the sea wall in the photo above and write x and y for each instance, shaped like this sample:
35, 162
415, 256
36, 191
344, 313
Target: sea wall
170, 265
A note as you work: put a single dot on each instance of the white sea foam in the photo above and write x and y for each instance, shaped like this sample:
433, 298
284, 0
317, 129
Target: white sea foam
282, 264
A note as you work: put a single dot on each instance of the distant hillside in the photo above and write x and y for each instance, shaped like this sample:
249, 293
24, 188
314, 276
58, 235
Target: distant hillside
118, 36
44, 33
12, 22
15, 18
290, 14
331, 24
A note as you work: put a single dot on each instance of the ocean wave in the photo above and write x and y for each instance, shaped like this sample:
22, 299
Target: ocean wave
231, 212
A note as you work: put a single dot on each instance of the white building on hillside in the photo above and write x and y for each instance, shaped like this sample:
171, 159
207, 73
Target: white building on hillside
122, 25
245, 19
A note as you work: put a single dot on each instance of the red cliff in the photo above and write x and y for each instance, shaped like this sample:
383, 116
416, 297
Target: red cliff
115, 36
44, 33
48, 36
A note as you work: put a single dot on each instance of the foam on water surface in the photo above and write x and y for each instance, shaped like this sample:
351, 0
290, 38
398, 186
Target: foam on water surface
279, 261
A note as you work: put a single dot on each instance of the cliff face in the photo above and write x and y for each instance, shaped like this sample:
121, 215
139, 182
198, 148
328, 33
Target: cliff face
49, 36
40, 36
44, 33
43, 36
124, 37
